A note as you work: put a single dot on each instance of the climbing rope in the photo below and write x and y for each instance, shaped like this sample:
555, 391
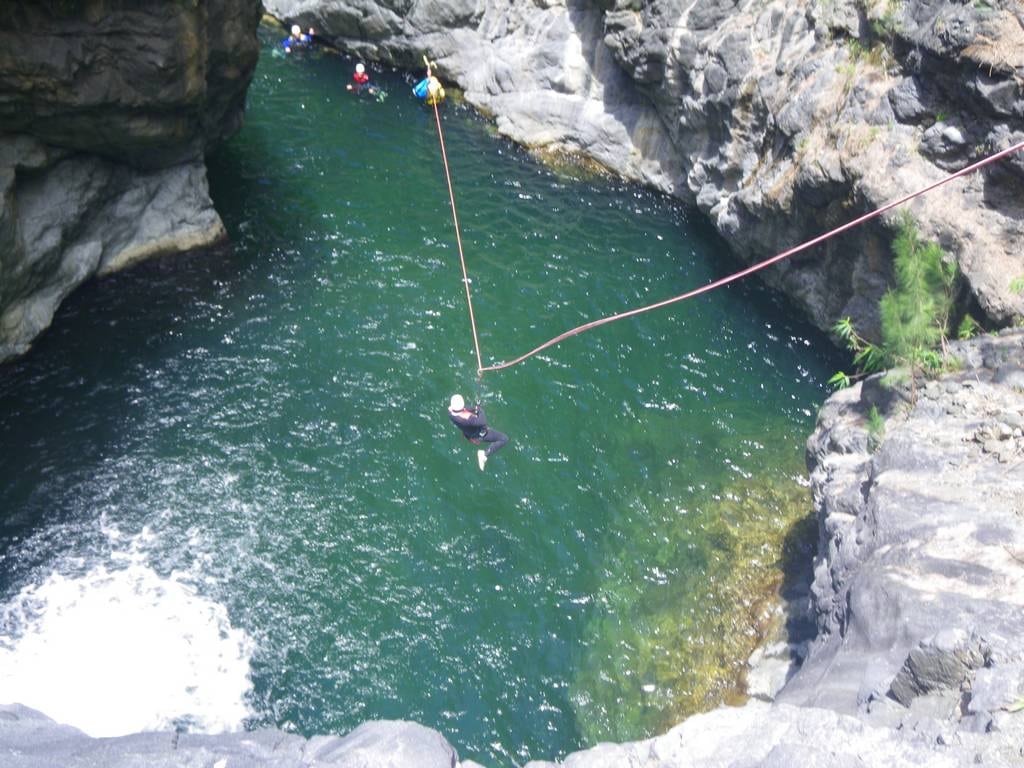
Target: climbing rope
458, 240
481, 368
756, 267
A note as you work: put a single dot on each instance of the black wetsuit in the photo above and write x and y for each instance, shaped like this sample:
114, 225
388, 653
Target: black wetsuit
474, 428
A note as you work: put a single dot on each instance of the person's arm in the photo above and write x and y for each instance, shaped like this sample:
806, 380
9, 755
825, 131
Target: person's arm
479, 411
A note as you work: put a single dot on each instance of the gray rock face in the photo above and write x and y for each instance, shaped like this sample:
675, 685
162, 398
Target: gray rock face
104, 119
68, 216
29, 739
151, 84
944, 662
778, 120
919, 588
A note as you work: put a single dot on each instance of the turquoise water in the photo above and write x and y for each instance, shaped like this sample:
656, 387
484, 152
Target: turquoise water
257, 435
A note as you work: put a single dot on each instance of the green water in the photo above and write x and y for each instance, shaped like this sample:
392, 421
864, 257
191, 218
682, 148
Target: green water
266, 422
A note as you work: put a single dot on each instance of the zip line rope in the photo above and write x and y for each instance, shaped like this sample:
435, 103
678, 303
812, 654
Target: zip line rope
481, 368
458, 240
756, 267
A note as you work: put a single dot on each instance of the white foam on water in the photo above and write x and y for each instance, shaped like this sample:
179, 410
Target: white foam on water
121, 650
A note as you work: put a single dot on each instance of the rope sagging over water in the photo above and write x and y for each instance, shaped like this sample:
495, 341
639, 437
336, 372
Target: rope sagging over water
481, 368
760, 265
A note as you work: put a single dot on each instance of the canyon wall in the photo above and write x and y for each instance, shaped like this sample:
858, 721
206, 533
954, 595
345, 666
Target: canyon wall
778, 120
106, 110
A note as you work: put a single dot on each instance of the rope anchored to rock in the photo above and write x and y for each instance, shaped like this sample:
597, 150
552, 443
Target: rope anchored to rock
481, 368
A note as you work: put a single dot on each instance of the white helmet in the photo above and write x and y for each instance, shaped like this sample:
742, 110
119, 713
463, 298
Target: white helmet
360, 68
296, 30
457, 403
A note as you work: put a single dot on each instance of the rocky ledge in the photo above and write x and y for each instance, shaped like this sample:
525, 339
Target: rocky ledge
779, 119
106, 110
918, 596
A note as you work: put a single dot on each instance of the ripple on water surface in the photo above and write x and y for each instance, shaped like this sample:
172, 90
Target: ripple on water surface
269, 420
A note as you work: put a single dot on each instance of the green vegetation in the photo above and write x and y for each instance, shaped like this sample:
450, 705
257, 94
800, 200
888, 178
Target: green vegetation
968, 328
873, 53
1017, 284
887, 26
867, 357
876, 429
915, 314
876, 48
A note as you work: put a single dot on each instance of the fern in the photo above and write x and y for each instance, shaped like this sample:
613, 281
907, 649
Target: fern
840, 380
915, 313
968, 328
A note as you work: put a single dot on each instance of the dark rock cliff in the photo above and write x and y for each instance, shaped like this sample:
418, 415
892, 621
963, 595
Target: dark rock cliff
106, 110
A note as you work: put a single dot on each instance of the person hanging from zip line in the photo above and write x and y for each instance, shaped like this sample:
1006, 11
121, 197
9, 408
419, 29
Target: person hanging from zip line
474, 428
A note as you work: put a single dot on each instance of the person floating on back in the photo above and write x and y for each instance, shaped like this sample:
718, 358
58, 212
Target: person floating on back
297, 39
429, 89
474, 428
361, 84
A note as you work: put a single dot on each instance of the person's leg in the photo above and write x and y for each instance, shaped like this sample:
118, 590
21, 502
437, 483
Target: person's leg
496, 441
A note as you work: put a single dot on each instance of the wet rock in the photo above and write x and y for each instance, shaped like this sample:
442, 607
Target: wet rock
29, 739
383, 744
